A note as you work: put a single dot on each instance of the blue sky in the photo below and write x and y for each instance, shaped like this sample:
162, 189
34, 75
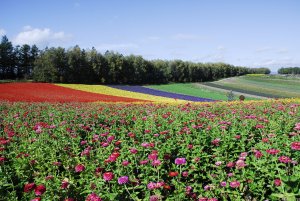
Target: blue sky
254, 33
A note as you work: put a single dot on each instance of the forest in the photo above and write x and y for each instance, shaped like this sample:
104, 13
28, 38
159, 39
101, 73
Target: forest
77, 65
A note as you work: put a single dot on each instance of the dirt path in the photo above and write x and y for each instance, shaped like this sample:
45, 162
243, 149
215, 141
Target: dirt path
226, 91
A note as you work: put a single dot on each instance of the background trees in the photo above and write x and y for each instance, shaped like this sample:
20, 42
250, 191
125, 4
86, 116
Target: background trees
289, 70
76, 65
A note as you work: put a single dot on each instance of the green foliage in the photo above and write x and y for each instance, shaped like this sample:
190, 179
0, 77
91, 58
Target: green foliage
77, 65
289, 70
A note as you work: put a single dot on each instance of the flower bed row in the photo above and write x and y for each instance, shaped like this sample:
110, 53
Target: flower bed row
102, 89
155, 92
44, 92
244, 151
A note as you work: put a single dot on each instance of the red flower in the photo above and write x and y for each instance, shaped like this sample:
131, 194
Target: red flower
107, 176
39, 190
29, 187
277, 182
64, 184
173, 174
79, 168
273, 151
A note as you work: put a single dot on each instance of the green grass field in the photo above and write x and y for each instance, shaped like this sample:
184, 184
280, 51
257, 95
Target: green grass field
193, 89
270, 85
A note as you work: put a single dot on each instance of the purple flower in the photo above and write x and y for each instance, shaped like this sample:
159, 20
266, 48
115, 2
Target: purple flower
123, 180
155, 92
180, 161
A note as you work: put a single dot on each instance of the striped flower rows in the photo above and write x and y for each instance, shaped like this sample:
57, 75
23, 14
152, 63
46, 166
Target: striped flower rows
101, 89
155, 92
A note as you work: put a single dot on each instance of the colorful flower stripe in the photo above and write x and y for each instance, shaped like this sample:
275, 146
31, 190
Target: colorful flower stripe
155, 92
44, 92
122, 93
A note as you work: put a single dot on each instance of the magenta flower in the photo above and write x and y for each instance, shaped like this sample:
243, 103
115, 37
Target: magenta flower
284, 159
64, 184
79, 168
273, 151
180, 161
223, 183
29, 187
93, 197
295, 145
39, 190
107, 176
156, 163
123, 180
234, 184
151, 186
185, 173
277, 182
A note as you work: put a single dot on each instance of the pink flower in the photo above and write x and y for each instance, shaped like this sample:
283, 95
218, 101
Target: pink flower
185, 173
155, 198
151, 186
230, 164
107, 176
156, 162
234, 184
133, 150
273, 151
125, 163
29, 187
79, 168
152, 156
296, 145
39, 190
36, 199
93, 197
216, 141
240, 164
218, 163
180, 161
123, 180
277, 182
202, 199
143, 162
223, 183
258, 154
284, 159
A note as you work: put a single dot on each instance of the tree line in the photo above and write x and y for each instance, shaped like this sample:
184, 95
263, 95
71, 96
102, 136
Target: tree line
76, 65
289, 70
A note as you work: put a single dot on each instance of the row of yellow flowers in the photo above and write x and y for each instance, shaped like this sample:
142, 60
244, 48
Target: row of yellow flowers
101, 89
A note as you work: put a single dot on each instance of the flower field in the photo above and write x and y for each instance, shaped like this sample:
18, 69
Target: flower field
45, 92
126, 151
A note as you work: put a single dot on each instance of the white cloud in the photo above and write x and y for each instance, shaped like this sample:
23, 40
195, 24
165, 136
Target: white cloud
263, 49
283, 51
2, 32
120, 46
183, 36
40, 37
221, 48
